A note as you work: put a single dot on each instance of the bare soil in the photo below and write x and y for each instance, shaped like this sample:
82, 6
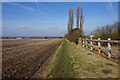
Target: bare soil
22, 58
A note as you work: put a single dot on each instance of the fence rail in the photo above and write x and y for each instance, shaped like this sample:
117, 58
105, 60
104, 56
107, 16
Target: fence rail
112, 41
89, 43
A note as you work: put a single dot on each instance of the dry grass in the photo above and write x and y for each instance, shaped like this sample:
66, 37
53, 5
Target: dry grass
90, 65
85, 64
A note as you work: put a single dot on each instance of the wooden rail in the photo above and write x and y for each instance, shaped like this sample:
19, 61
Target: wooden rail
89, 44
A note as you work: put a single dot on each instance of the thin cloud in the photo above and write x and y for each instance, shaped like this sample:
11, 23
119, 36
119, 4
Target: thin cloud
18, 5
37, 5
28, 8
110, 8
47, 9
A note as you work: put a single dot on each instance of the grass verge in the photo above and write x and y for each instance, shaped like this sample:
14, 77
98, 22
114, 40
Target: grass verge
75, 61
63, 63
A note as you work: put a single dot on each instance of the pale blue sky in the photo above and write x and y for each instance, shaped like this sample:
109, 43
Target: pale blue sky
51, 18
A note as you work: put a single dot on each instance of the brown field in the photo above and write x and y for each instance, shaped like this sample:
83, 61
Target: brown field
22, 58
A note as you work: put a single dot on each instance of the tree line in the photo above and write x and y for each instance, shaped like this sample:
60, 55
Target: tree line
108, 31
73, 34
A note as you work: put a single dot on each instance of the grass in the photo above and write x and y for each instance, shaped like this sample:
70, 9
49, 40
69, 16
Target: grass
63, 63
92, 65
74, 61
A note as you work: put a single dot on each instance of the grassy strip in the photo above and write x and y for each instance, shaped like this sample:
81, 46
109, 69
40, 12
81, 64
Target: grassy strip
63, 63
74, 61
91, 65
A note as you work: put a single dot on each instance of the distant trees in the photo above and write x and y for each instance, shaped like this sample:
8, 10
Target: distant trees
108, 31
74, 34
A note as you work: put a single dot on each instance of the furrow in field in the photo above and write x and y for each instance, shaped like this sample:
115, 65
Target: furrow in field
24, 61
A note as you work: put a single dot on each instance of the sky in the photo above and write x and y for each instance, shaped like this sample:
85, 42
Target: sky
40, 19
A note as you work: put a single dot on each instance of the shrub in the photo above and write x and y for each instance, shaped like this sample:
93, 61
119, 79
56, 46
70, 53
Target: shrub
74, 35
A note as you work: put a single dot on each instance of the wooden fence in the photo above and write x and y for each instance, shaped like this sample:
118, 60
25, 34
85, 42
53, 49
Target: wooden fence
108, 53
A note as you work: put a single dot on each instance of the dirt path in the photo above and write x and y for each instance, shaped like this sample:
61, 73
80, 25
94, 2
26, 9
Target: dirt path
23, 60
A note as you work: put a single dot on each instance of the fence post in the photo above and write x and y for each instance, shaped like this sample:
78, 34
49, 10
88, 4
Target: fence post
109, 47
86, 43
91, 44
99, 51
79, 42
83, 42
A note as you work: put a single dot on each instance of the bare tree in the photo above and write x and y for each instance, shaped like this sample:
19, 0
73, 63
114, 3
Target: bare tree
68, 28
81, 21
77, 16
107, 31
72, 20
74, 33
69, 20
118, 30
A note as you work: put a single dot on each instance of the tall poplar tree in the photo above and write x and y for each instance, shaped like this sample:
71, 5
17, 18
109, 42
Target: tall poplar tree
77, 16
81, 22
70, 20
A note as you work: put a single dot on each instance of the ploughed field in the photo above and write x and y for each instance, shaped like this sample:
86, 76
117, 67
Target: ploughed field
22, 58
